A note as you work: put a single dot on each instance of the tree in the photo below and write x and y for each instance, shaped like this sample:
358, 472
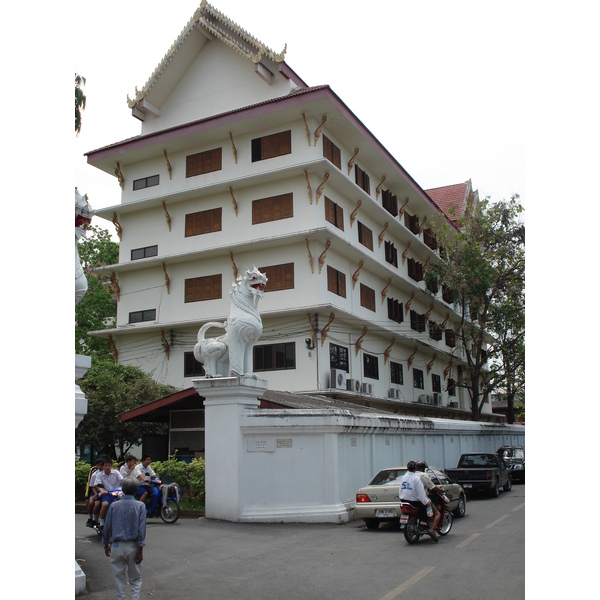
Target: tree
97, 309
79, 101
483, 264
112, 389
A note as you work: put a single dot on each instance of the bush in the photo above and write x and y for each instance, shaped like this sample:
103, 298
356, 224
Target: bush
82, 471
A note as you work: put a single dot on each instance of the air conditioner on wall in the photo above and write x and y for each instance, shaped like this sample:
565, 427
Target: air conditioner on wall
453, 404
424, 398
437, 399
338, 379
367, 388
353, 385
394, 393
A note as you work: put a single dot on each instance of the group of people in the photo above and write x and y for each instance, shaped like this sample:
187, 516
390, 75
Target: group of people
104, 479
415, 486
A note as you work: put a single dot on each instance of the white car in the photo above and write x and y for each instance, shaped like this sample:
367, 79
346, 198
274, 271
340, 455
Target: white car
379, 502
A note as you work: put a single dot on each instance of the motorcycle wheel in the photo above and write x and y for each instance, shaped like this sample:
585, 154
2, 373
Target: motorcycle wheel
170, 512
411, 530
446, 525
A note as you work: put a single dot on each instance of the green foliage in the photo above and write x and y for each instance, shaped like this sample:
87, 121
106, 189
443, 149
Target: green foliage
112, 389
189, 477
97, 309
82, 471
80, 100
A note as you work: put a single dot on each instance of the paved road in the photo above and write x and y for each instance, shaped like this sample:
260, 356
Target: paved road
482, 557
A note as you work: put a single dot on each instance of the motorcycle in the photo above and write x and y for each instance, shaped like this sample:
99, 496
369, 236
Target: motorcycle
415, 522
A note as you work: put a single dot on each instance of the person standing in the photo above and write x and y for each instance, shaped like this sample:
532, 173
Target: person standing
124, 538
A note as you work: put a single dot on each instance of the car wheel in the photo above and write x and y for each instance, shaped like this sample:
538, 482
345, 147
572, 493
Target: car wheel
446, 525
411, 530
461, 509
508, 485
496, 489
372, 523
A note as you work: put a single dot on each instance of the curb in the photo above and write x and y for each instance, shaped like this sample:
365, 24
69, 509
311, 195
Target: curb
186, 513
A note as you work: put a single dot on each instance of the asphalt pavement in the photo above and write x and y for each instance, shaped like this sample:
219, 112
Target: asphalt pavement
201, 558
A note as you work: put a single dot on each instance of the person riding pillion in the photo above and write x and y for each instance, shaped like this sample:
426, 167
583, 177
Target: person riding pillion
412, 490
430, 487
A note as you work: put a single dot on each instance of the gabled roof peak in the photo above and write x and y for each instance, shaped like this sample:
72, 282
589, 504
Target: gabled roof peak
222, 28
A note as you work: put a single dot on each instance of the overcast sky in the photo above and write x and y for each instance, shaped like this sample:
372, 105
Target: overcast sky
438, 83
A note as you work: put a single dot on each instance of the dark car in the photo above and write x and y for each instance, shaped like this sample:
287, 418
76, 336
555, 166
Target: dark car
514, 458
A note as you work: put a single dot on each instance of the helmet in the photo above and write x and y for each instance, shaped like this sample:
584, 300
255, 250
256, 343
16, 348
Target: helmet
411, 466
421, 465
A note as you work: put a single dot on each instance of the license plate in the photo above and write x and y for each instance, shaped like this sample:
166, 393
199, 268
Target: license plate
467, 485
385, 512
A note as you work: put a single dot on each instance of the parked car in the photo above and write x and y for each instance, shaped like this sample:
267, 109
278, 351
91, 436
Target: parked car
481, 472
514, 459
378, 501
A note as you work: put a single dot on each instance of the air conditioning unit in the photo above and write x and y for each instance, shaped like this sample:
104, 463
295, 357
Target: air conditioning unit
353, 385
367, 388
424, 398
453, 404
338, 379
394, 393
437, 399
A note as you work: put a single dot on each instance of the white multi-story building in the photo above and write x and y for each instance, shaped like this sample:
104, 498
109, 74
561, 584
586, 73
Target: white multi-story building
240, 163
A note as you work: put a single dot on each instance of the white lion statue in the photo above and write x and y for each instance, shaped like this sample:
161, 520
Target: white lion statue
83, 217
231, 353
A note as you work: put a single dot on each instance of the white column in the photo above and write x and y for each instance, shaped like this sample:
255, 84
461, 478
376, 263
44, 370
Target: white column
226, 398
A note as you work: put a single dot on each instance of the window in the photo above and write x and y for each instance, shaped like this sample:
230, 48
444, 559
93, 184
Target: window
275, 357
431, 283
371, 366
336, 281
435, 331
279, 277
367, 297
450, 336
396, 374
203, 162
365, 236
272, 209
191, 367
417, 321
391, 254
198, 289
331, 152
145, 182
389, 202
412, 222
362, 179
447, 294
430, 239
334, 213
206, 221
338, 357
451, 387
395, 312
139, 316
415, 269
146, 252
271, 146
436, 383
418, 381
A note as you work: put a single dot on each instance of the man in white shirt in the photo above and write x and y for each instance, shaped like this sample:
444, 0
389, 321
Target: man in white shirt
107, 481
146, 474
429, 487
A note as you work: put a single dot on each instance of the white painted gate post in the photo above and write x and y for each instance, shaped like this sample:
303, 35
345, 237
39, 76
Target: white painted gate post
226, 398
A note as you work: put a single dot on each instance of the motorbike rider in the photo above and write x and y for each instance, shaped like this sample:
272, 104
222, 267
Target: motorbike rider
146, 474
412, 490
107, 480
430, 486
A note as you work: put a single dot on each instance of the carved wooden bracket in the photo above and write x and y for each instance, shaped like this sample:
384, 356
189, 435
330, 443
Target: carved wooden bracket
384, 291
388, 350
429, 311
430, 363
426, 262
113, 349
412, 357
357, 273
165, 344
310, 258
351, 161
306, 129
443, 324
233, 266
313, 333
167, 215
382, 234
308, 188
319, 129
323, 256
117, 225
422, 226
401, 211
447, 370
405, 252
235, 205
326, 328
233, 148
321, 187
116, 286
378, 188
167, 278
354, 213
168, 167
120, 177
359, 341
408, 303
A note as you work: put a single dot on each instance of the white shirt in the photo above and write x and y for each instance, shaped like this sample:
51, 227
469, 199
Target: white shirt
124, 471
412, 489
146, 472
425, 480
109, 482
